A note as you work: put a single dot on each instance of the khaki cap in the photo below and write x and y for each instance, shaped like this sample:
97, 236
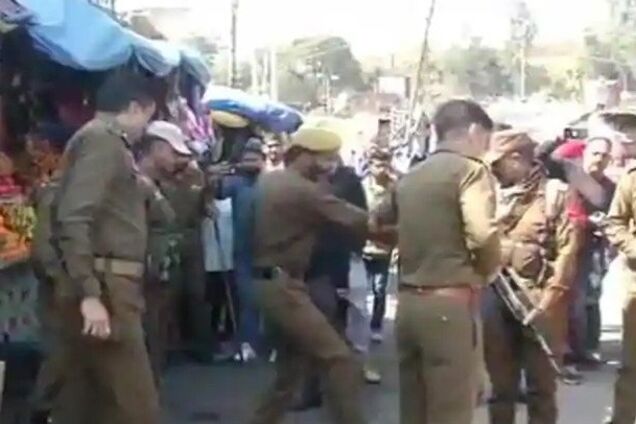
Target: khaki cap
505, 142
171, 134
317, 137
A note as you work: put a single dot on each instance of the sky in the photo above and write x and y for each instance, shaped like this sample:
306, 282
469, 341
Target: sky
376, 27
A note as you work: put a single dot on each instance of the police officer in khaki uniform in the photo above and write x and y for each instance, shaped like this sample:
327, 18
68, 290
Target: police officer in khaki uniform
539, 247
99, 230
188, 275
47, 269
290, 207
449, 246
619, 231
163, 156
161, 160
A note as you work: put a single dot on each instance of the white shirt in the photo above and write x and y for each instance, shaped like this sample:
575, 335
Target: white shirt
218, 248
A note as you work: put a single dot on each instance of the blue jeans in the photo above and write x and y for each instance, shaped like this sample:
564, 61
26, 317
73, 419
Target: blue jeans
378, 279
585, 321
248, 315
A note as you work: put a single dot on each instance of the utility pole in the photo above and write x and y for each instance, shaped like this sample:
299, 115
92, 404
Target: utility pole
523, 31
522, 72
422, 67
233, 38
255, 84
273, 73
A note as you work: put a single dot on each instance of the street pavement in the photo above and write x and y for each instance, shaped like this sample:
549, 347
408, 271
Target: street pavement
227, 393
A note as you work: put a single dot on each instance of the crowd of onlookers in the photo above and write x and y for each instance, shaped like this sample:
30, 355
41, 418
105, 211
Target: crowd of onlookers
344, 274
358, 307
199, 284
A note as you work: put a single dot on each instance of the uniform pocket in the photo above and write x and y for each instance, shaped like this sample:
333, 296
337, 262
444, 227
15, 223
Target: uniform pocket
123, 297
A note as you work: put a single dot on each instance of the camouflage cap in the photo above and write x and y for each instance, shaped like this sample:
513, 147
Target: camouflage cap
171, 134
506, 142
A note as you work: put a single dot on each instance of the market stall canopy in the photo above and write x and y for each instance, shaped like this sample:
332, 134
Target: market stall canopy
79, 35
158, 56
270, 115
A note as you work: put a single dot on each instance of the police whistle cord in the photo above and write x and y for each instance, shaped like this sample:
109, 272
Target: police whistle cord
516, 299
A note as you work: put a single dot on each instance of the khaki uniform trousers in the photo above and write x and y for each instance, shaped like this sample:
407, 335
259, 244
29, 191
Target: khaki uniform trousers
509, 350
625, 387
160, 324
189, 277
107, 382
50, 375
437, 341
304, 337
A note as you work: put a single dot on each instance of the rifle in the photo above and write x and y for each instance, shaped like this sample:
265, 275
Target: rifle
519, 303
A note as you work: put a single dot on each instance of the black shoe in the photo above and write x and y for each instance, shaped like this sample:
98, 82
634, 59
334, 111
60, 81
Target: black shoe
204, 417
202, 357
523, 398
591, 361
571, 376
306, 404
40, 417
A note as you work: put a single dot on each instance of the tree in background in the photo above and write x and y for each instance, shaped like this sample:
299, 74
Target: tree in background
476, 70
610, 54
309, 67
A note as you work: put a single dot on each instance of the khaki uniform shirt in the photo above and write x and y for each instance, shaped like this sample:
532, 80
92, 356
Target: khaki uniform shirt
621, 217
100, 206
187, 202
43, 255
541, 244
445, 213
161, 223
289, 212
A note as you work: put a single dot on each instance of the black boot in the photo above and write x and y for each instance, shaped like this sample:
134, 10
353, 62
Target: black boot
307, 403
40, 417
311, 395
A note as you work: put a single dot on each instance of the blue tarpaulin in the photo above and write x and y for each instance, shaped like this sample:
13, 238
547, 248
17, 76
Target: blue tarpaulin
75, 33
192, 62
158, 56
79, 35
272, 116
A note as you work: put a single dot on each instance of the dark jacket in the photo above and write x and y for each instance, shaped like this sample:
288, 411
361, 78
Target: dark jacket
333, 250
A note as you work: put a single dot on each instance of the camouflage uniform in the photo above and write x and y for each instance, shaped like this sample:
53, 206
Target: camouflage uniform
539, 245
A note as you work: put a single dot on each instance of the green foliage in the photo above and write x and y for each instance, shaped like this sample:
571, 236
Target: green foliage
610, 54
476, 70
306, 63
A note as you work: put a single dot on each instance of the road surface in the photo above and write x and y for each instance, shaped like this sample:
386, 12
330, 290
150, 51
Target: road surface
227, 393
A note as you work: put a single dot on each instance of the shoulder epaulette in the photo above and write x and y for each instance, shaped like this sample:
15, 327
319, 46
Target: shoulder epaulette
477, 160
470, 158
